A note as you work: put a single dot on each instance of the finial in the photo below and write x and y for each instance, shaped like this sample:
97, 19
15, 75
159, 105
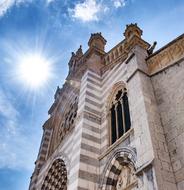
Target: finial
79, 52
57, 92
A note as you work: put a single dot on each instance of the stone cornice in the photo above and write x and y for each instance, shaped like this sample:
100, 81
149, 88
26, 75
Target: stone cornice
113, 146
166, 56
92, 50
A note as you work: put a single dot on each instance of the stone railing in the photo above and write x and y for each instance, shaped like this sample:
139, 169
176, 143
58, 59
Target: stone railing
120, 52
114, 53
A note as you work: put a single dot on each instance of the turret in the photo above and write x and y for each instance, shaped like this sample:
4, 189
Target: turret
97, 41
133, 38
131, 31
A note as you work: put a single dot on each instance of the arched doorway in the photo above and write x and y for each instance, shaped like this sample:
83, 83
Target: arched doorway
56, 178
119, 173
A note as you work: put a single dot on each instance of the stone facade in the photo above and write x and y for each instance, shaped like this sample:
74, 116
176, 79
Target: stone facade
78, 150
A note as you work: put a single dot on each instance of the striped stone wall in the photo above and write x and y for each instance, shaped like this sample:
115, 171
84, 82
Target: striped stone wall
86, 149
110, 79
146, 131
92, 163
43, 151
90, 108
80, 148
63, 152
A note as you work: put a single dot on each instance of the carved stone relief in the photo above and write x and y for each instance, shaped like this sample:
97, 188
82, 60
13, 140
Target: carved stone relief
126, 179
166, 57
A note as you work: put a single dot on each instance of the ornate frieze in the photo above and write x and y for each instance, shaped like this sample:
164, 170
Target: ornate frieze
168, 55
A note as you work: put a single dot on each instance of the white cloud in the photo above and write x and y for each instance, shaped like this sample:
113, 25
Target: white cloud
5, 5
87, 11
8, 112
119, 3
6, 108
17, 150
49, 1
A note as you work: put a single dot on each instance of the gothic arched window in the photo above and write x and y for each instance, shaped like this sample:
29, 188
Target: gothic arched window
120, 115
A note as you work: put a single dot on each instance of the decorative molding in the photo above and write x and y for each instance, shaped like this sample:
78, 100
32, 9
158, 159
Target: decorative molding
144, 167
66, 160
115, 88
114, 145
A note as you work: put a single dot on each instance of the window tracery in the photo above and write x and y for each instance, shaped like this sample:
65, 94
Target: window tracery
68, 119
119, 115
56, 178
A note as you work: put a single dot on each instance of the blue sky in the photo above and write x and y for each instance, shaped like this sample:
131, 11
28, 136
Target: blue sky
55, 28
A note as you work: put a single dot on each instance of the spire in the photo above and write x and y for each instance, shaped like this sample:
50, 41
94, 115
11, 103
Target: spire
79, 52
57, 93
72, 62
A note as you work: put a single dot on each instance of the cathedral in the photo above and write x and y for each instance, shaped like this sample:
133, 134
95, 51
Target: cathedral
118, 121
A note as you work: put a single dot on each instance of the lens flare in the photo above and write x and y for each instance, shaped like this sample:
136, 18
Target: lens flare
34, 70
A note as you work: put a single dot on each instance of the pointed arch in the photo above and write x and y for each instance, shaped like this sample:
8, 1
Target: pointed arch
117, 111
113, 91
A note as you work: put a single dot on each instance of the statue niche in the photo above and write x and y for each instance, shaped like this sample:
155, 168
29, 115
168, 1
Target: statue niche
126, 179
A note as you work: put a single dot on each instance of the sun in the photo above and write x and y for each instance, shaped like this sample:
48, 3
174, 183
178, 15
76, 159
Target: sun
34, 70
